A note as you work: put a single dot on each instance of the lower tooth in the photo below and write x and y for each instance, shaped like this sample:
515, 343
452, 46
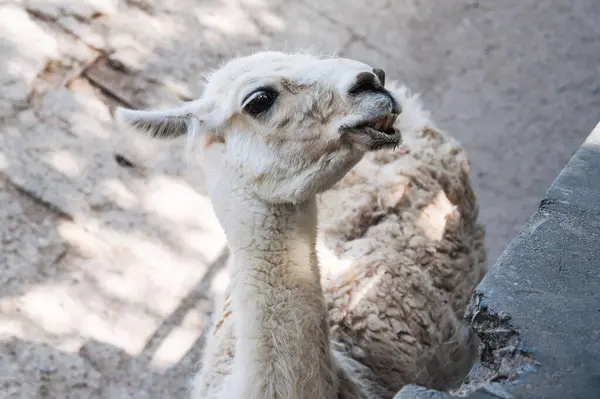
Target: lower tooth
389, 121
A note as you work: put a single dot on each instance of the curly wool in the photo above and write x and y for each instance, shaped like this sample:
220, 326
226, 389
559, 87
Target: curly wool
407, 254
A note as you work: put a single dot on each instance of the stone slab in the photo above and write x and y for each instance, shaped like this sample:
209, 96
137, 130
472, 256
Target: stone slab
547, 284
548, 280
417, 392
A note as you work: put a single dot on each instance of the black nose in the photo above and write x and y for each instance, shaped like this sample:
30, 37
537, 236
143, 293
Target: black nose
365, 82
380, 74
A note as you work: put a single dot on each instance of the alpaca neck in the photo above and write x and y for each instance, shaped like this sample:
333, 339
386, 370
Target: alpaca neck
282, 335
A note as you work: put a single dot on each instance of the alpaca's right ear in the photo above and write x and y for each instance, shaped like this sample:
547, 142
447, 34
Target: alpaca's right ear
166, 124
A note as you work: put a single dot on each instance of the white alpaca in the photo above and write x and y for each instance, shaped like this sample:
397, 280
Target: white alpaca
280, 129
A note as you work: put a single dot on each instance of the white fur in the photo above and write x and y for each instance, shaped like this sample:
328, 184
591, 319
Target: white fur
273, 339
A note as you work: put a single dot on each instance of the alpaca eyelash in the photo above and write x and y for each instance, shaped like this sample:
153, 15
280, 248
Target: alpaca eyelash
258, 90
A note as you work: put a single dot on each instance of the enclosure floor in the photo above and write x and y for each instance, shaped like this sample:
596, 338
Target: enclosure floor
110, 253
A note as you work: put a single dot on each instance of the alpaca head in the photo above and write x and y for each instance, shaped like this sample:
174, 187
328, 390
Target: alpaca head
292, 124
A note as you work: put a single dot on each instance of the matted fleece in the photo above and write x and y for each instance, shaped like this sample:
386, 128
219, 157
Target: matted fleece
402, 252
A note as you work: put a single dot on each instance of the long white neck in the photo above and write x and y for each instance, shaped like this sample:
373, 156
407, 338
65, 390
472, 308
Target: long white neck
282, 348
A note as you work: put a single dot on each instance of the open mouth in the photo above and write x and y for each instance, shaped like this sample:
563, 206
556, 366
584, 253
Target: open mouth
377, 134
384, 124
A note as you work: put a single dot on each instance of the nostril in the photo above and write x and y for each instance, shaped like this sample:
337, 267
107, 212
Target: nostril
365, 81
380, 74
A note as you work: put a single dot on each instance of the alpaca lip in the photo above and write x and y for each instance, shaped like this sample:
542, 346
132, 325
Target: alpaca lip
376, 134
383, 124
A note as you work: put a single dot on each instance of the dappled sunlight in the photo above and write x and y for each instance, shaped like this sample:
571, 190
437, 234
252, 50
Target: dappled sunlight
81, 8
365, 288
220, 282
134, 240
142, 245
177, 204
131, 275
90, 106
120, 308
18, 33
117, 191
232, 17
86, 116
181, 89
176, 201
331, 265
65, 162
11, 326
135, 46
219, 285
142, 269
179, 341
78, 310
46, 305
434, 217
66, 319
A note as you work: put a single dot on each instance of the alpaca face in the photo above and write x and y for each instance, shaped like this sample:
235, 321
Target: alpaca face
292, 124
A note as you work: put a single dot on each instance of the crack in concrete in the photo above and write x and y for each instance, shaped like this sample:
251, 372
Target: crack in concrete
56, 66
52, 24
37, 199
54, 71
358, 37
262, 30
354, 38
142, 5
107, 91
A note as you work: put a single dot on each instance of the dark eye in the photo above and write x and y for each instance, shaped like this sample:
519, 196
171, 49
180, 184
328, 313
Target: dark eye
259, 101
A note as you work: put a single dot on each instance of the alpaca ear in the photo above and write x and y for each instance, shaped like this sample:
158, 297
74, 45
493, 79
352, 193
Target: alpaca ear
164, 124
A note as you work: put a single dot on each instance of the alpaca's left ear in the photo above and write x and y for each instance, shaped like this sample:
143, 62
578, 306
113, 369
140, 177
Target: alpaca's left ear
166, 124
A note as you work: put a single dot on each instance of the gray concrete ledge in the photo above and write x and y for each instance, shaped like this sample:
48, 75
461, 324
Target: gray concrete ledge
548, 280
543, 294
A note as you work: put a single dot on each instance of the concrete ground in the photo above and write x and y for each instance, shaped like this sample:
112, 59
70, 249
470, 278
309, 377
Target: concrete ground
110, 251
